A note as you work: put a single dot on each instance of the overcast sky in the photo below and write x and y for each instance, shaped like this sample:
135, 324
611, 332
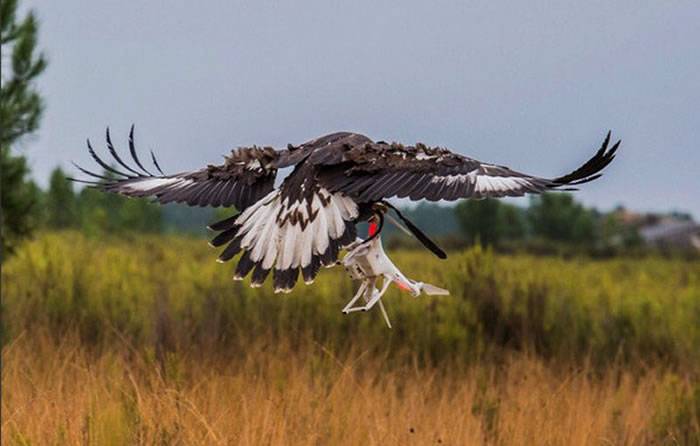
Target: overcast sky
532, 85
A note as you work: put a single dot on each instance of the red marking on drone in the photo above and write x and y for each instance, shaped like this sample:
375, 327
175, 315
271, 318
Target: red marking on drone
402, 285
372, 229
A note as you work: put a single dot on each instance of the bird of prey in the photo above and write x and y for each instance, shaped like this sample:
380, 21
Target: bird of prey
338, 181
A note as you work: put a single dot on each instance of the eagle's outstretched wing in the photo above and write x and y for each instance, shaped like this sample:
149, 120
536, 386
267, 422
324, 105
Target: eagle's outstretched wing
247, 175
373, 171
337, 180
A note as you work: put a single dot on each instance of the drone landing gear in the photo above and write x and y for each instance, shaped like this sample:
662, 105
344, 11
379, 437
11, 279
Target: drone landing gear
371, 295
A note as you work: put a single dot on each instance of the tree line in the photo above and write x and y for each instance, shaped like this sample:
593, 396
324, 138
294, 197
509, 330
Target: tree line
552, 222
93, 211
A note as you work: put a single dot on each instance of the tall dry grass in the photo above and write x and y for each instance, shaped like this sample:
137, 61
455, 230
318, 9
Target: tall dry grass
56, 392
146, 340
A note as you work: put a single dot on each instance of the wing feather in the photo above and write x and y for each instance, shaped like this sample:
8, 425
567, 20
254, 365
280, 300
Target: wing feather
247, 175
375, 171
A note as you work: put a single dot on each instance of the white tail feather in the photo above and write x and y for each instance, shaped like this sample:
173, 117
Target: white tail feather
290, 245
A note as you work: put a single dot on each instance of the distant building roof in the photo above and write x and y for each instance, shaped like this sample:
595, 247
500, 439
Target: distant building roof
672, 232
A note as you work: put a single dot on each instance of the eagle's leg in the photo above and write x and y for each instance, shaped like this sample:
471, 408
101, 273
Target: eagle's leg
363, 286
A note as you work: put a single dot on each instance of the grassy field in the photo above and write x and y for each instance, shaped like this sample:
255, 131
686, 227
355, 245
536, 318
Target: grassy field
147, 340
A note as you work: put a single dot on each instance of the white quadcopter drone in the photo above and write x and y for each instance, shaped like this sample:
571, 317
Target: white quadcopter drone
366, 261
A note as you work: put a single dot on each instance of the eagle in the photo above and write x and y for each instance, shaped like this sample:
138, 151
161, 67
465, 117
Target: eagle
338, 181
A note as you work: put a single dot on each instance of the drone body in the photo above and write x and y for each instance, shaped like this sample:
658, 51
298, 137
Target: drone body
338, 181
367, 262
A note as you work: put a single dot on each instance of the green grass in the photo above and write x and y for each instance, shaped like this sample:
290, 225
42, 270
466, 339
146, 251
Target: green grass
168, 293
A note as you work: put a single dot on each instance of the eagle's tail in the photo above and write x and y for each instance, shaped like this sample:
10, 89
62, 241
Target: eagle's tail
274, 234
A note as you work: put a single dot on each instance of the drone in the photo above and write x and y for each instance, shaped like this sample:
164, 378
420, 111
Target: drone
367, 262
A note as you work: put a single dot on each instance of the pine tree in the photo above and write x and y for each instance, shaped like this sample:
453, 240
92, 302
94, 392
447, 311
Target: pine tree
20, 112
